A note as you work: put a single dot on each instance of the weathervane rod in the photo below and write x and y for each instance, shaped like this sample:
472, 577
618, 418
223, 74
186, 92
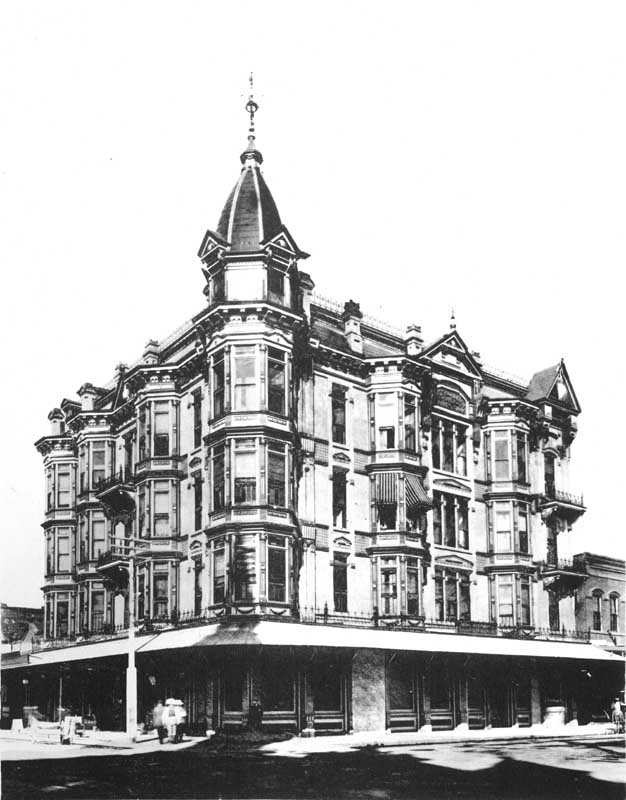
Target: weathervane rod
251, 106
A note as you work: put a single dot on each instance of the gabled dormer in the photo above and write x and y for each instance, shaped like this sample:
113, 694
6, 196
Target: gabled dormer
554, 387
451, 353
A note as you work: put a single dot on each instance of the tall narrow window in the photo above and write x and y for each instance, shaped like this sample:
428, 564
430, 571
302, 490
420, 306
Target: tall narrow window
218, 384
162, 428
461, 450
522, 527
409, 423
522, 472
614, 613
525, 600
449, 521
275, 285
437, 521
63, 486
97, 611
197, 586
63, 609
197, 418
503, 528
197, 502
245, 379
83, 547
597, 610
160, 604
276, 474
464, 598
141, 596
462, 523
63, 550
452, 595
548, 461
97, 463
388, 586
436, 443
50, 489
275, 381
219, 292
142, 511
552, 548
277, 569
386, 419
339, 498
98, 534
448, 447
340, 581
219, 571
218, 478
161, 508
501, 448
142, 427
505, 600
554, 617
412, 587
338, 410
245, 567
245, 471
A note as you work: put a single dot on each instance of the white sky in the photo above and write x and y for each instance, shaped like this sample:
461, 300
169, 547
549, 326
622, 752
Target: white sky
427, 155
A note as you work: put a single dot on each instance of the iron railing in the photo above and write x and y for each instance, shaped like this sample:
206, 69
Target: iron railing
550, 494
563, 565
317, 616
122, 476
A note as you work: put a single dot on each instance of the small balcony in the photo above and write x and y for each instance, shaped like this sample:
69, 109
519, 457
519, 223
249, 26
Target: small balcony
117, 494
411, 542
562, 576
563, 505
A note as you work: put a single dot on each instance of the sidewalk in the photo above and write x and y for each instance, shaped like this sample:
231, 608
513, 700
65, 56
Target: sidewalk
19, 746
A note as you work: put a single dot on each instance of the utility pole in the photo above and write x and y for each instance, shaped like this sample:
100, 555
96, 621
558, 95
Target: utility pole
131, 670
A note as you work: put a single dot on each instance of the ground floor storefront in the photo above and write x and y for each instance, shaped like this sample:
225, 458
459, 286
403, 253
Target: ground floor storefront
241, 677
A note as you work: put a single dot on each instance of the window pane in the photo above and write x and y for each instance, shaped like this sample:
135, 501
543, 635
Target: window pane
501, 454
276, 479
245, 567
340, 581
276, 385
448, 447
503, 528
449, 521
218, 480
218, 575
505, 600
277, 574
161, 497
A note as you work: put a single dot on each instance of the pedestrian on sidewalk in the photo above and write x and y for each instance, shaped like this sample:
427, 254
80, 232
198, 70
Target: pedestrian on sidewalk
170, 718
618, 715
181, 720
157, 721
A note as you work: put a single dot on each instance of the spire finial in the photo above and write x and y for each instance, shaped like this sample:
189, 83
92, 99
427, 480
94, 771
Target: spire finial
452, 321
251, 108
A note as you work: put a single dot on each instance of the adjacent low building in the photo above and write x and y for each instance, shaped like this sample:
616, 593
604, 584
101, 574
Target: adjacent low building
333, 525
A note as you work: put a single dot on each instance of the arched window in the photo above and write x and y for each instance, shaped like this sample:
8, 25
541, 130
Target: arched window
614, 612
597, 609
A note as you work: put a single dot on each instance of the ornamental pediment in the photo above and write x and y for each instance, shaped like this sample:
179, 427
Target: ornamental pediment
454, 561
451, 351
451, 485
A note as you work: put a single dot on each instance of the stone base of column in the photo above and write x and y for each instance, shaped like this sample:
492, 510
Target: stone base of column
307, 733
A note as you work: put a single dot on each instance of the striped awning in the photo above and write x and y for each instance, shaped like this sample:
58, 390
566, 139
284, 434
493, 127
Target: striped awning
415, 493
386, 488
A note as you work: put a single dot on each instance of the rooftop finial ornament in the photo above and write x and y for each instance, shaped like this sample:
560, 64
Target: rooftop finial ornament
452, 321
251, 108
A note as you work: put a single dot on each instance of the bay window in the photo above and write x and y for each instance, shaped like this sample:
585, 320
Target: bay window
503, 528
449, 446
98, 534
275, 380
161, 509
276, 474
98, 461
412, 587
522, 527
62, 615
388, 586
245, 471
245, 378
161, 428
452, 595
502, 464
521, 457
386, 419
512, 601
338, 412
63, 486
277, 557
244, 567
63, 550
450, 520
160, 595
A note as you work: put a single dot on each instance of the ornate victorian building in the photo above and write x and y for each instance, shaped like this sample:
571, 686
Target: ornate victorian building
331, 522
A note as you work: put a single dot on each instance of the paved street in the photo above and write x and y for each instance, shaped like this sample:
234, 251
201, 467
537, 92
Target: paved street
591, 768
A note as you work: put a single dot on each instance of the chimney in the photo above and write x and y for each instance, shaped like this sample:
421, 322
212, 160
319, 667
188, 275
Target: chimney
87, 394
414, 341
352, 326
57, 422
151, 352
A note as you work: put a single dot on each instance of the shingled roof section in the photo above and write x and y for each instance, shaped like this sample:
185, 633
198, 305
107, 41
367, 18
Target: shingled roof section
541, 383
250, 215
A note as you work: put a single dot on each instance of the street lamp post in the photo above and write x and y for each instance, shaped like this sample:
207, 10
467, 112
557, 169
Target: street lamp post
131, 670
